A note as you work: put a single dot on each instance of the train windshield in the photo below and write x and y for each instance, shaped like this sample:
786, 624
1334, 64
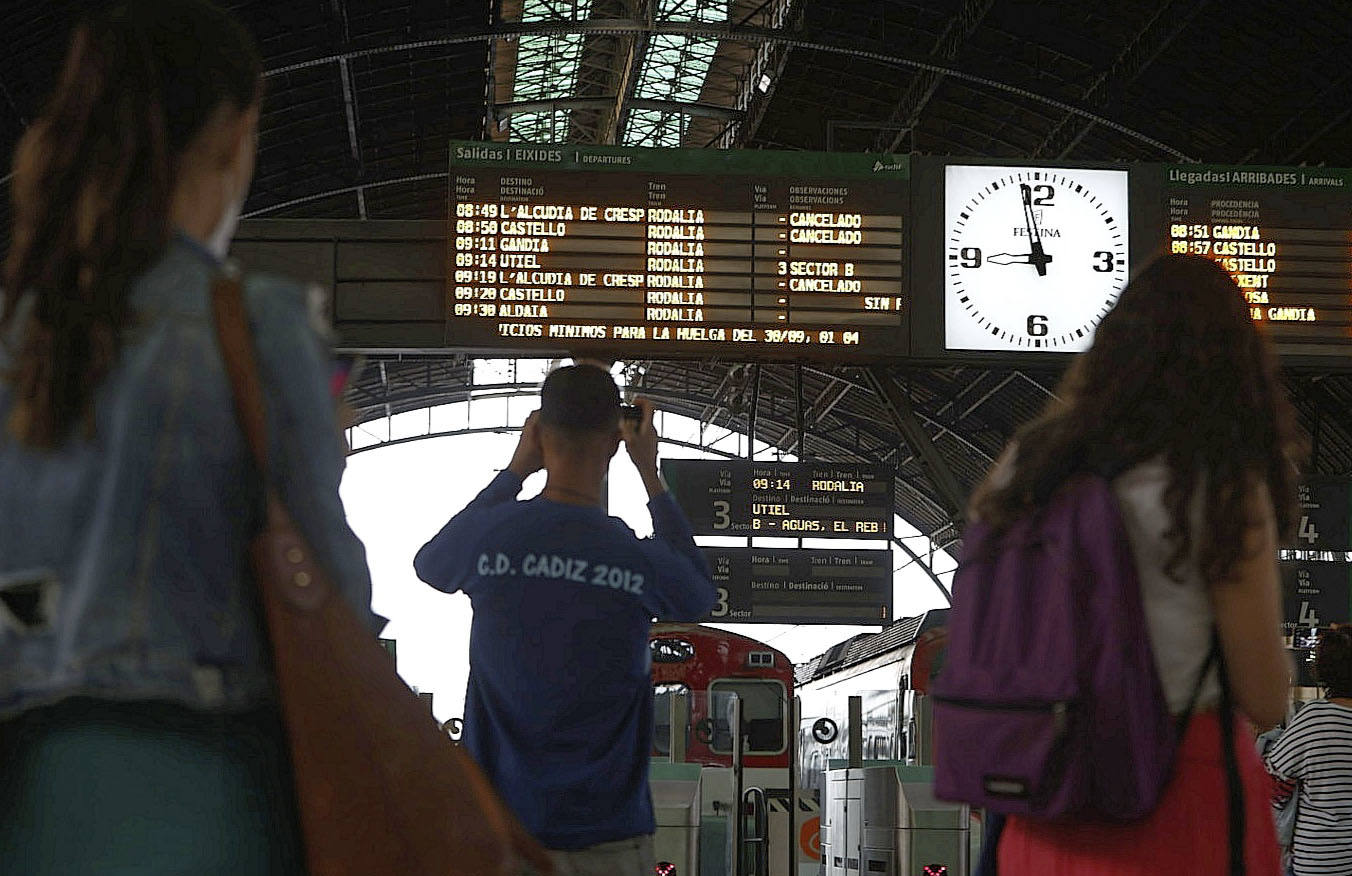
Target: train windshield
763, 710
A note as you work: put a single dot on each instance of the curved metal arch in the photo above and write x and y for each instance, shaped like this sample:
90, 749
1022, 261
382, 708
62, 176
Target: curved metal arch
615, 27
420, 399
657, 395
688, 108
929, 570
346, 190
942, 430
507, 430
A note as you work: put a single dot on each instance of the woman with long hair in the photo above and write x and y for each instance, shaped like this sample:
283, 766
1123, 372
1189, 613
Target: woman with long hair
1179, 405
1313, 761
139, 731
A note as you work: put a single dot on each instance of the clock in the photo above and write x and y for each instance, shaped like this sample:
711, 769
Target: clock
1034, 256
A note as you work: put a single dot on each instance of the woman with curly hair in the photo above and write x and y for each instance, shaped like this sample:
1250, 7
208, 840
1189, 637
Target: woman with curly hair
1178, 404
1313, 760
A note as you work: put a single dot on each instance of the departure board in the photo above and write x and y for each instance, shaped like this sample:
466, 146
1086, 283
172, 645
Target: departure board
677, 252
801, 499
1284, 234
769, 586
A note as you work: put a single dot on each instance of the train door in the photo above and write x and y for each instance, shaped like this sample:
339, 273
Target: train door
662, 697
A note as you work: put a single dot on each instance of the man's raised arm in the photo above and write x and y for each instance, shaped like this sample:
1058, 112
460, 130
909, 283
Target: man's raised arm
684, 589
446, 560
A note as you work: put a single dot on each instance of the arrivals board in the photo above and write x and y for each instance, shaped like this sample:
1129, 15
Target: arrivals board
1315, 594
1284, 234
677, 252
778, 499
782, 586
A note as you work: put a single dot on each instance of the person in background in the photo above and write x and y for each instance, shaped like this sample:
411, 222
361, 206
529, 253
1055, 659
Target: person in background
1179, 405
559, 710
1282, 816
139, 731
1313, 761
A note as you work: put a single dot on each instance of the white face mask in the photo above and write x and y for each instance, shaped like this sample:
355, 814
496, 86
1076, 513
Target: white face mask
224, 232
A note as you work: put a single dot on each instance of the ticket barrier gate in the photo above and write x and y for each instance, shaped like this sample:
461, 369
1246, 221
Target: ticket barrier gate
882, 818
701, 828
676, 804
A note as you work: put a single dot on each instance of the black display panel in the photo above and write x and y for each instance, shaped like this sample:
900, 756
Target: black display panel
1303, 660
769, 586
1284, 234
1325, 515
1315, 594
793, 499
677, 252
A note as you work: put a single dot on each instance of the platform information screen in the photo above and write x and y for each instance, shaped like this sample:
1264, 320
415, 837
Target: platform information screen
1284, 234
782, 586
1325, 515
778, 499
677, 252
1315, 594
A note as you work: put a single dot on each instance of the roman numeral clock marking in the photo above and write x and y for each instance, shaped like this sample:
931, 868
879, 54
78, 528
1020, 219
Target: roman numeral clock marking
1036, 256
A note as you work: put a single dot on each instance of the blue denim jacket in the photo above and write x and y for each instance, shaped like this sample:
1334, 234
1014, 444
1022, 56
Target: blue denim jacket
137, 537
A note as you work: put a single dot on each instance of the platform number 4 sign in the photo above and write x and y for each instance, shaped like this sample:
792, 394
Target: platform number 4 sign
1308, 617
1307, 530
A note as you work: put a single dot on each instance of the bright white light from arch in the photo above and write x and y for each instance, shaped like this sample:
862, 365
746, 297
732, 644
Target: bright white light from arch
399, 496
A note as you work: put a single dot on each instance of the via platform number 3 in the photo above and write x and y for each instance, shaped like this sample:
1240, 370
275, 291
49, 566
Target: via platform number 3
722, 519
721, 609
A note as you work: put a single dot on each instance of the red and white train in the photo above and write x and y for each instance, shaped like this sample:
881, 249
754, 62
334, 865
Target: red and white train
794, 723
778, 835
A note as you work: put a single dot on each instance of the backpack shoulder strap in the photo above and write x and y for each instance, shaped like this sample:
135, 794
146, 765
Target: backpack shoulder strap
1213, 657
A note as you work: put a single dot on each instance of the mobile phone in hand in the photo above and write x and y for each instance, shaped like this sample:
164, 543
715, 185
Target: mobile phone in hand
632, 413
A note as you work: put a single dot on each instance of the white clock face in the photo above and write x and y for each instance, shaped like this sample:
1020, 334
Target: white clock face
1034, 256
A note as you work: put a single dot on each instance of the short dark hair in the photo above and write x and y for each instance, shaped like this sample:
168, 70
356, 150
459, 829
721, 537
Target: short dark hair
1333, 661
580, 398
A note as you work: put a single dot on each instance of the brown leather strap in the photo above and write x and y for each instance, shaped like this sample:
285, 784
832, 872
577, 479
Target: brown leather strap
237, 349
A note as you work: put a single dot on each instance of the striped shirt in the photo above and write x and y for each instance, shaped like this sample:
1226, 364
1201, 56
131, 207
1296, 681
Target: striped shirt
1315, 752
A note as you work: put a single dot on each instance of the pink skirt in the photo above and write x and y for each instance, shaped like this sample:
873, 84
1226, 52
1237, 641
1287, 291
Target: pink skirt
1187, 833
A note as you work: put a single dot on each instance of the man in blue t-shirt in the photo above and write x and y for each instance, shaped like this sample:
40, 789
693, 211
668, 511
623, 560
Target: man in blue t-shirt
559, 709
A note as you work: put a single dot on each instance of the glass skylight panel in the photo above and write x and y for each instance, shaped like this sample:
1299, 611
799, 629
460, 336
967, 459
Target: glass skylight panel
546, 68
674, 69
693, 10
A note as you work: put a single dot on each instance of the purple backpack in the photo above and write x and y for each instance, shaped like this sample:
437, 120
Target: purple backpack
1049, 704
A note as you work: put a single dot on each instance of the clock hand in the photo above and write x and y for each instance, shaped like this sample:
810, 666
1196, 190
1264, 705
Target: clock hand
1009, 258
1038, 257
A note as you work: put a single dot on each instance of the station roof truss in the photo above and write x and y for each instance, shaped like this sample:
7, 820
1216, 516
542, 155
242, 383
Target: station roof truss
363, 97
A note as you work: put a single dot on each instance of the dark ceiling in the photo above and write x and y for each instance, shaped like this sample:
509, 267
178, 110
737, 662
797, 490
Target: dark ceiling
363, 95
